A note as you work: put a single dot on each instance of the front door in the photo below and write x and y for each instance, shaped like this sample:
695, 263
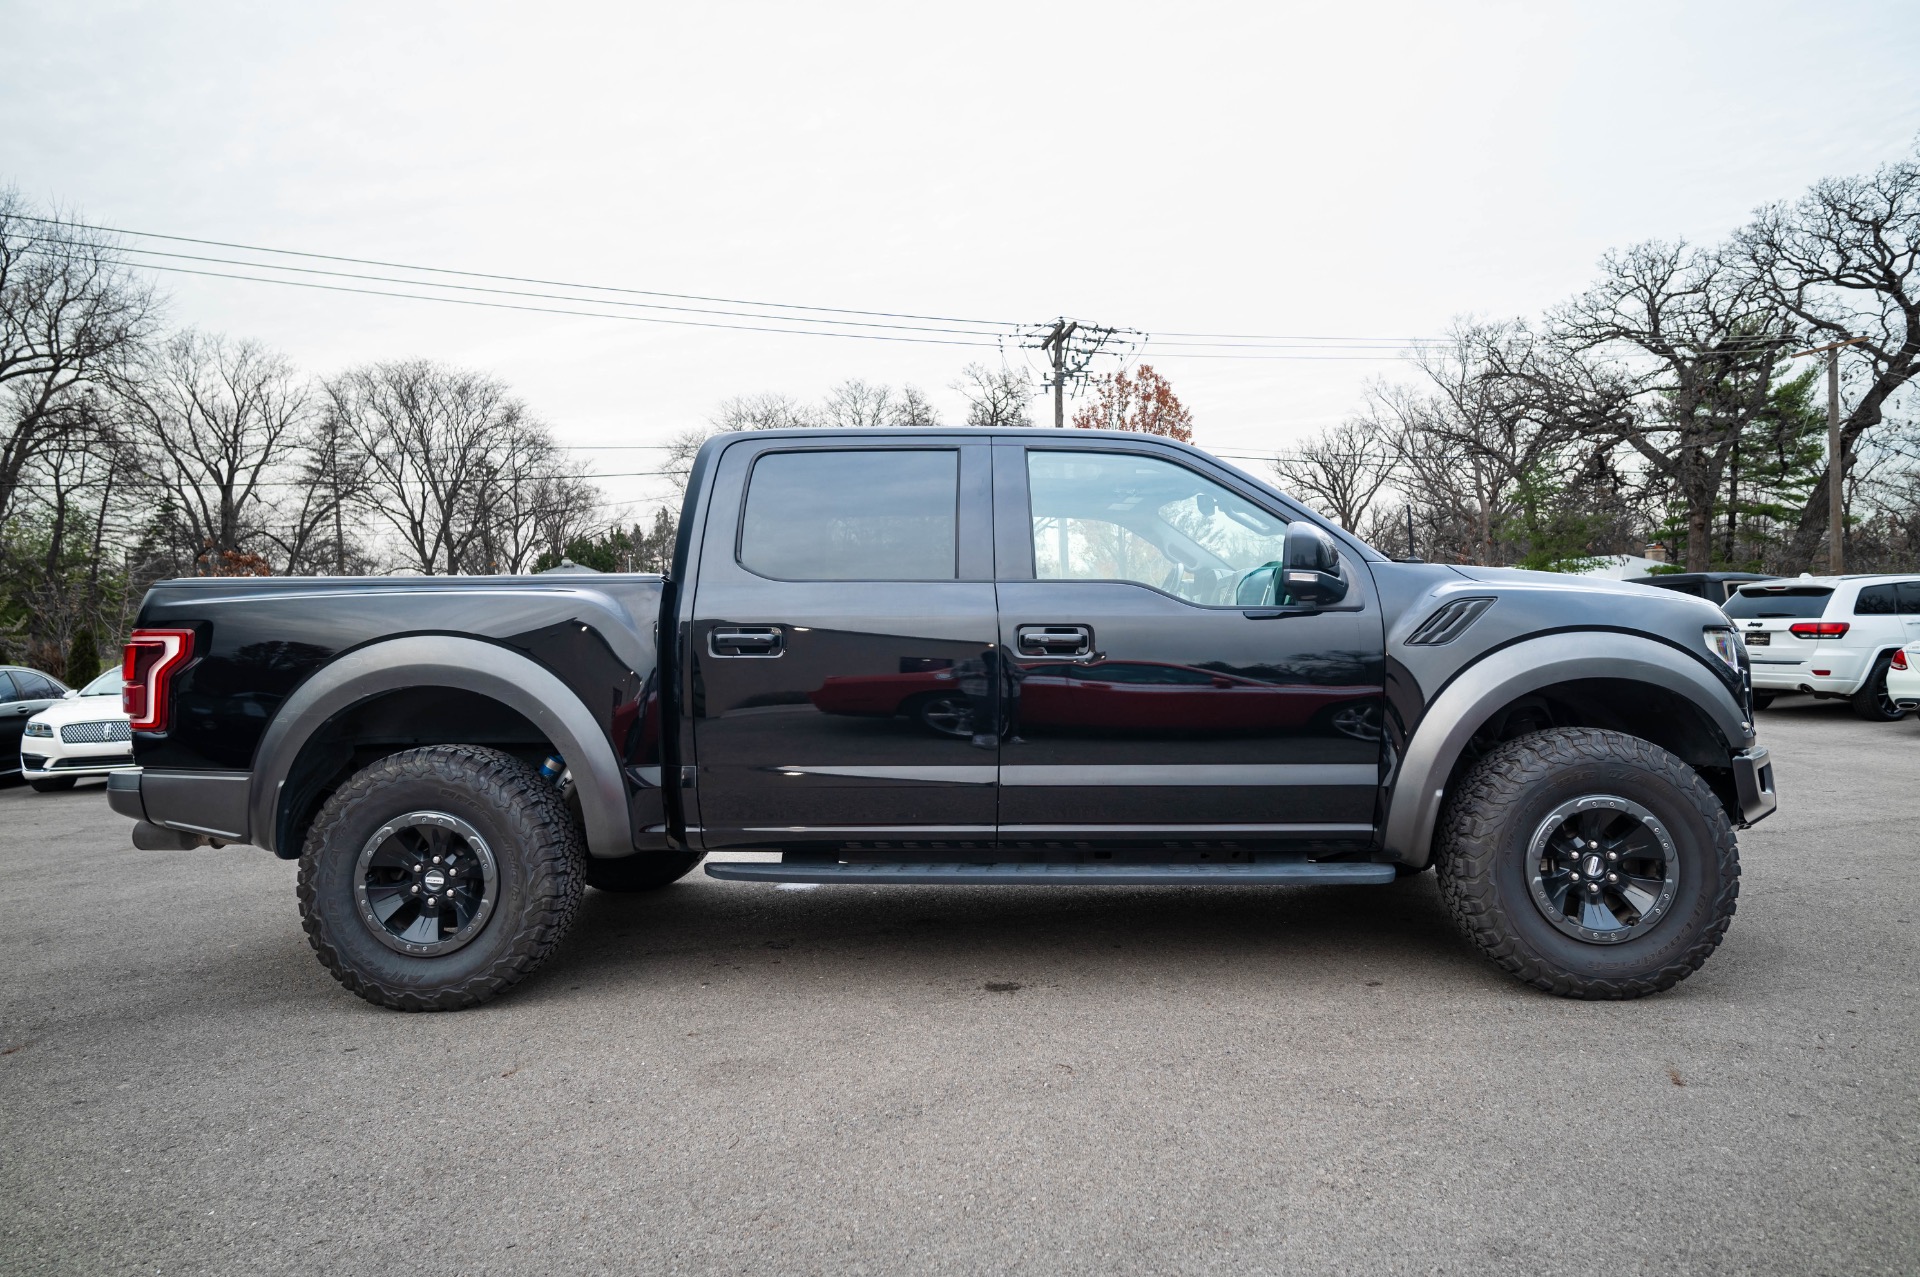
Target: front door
1161, 696
842, 637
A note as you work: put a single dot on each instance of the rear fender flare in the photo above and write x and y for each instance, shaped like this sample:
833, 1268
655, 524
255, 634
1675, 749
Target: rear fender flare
469, 665
1509, 673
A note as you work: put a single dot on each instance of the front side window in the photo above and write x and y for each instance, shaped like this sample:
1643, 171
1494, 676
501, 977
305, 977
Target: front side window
854, 515
1110, 516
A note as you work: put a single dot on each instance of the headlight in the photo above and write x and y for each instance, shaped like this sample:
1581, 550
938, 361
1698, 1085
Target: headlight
39, 729
1726, 645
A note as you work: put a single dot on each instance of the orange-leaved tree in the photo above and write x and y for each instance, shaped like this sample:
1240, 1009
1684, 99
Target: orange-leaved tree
1141, 401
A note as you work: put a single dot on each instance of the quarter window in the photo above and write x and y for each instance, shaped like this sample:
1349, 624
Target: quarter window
1909, 593
853, 515
1100, 516
1875, 600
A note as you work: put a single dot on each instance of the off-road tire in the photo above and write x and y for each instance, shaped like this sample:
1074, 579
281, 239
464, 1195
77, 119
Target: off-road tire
52, 784
1484, 842
1762, 700
1872, 702
540, 871
642, 871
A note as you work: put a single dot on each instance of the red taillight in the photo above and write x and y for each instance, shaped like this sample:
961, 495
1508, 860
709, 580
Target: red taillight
152, 657
1899, 659
1820, 629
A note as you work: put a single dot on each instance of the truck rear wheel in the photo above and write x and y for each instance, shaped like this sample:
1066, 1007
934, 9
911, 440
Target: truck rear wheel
1589, 863
438, 877
642, 871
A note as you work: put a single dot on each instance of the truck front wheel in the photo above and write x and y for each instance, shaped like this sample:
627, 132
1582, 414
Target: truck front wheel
438, 877
1589, 863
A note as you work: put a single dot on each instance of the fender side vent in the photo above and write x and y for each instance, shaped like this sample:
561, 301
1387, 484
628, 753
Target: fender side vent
1449, 623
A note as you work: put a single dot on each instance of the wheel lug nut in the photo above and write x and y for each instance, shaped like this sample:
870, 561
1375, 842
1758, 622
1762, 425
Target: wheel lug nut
436, 860
1593, 886
1613, 855
416, 888
1613, 877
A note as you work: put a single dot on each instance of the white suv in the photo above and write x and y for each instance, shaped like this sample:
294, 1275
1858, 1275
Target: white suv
1832, 636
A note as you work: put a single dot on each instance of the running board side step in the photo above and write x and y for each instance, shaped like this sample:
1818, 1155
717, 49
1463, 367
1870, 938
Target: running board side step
1096, 874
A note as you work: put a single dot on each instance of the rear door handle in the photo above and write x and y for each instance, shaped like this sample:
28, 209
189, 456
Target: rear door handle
746, 640
1055, 640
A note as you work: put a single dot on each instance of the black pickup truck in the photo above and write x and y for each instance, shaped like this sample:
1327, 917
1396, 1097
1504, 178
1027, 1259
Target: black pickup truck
957, 656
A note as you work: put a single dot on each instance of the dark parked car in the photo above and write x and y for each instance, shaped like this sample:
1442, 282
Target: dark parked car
1154, 669
23, 693
1715, 587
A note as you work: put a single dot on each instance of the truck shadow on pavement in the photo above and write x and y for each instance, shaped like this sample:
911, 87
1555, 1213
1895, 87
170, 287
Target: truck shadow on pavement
1008, 935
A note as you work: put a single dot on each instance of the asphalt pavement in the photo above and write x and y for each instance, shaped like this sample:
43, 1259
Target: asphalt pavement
744, 1078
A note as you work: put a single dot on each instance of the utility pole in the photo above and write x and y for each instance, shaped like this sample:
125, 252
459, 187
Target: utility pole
1055, 344
1071, 347
1836, 462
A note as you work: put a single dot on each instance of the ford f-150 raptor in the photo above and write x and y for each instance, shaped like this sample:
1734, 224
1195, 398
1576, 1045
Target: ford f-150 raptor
957, 656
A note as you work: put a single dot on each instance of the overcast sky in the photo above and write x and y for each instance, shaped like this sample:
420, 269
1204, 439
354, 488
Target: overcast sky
1314, 170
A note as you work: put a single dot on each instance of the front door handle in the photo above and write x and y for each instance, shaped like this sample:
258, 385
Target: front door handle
746, 640
1055, 640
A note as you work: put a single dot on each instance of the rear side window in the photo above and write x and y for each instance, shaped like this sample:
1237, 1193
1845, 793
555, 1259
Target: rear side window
854, 515
1909, 592
1875, 600
6, 687
1793, 602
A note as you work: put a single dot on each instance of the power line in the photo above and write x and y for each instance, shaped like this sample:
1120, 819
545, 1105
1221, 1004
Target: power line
504, 292
552, 310
510, 279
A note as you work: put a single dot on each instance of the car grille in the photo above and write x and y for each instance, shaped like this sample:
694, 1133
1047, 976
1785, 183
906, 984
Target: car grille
95, 733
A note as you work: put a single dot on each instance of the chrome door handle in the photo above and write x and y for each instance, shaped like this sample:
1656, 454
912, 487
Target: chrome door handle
746, 640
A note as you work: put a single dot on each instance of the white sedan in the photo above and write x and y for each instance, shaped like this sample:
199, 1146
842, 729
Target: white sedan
84, 735
1903, 677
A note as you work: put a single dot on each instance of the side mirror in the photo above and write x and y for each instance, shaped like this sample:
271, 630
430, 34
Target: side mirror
1310, 570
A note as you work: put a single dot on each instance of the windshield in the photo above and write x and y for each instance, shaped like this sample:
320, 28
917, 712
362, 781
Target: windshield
1794, 602
108, 684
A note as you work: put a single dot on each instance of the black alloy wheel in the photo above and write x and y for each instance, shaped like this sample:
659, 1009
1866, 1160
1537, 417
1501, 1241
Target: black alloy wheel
1604, 868
425, 883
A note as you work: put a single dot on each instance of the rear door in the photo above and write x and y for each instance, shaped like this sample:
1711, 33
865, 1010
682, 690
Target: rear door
1909, 595
842, 634
1159, 697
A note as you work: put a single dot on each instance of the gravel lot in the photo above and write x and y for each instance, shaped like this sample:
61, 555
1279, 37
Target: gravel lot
746, 1078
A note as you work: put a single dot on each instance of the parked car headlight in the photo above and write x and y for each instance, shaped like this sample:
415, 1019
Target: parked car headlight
39, 729
1726, 645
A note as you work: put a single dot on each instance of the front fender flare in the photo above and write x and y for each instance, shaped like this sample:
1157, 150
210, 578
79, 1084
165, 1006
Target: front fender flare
429, 660
1511, 672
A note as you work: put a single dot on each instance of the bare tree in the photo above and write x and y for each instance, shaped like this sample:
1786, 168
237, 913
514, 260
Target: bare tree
859, 404
1686, 343
1844, 261
1341, 470
995, 396
911, 408
217, 423
433, 437
70, 315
